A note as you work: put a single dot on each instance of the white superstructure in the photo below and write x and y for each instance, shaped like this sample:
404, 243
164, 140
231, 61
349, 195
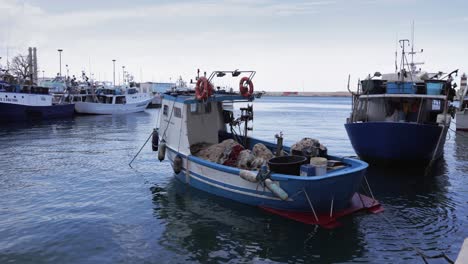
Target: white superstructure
110, 101
461, 116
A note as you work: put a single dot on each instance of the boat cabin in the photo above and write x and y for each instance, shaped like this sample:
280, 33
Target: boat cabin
186, 121
402, 97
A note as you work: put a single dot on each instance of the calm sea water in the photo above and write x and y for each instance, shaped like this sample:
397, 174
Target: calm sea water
67, 195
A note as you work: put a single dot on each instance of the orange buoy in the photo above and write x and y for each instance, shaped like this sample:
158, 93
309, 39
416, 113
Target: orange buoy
246, 87
204, 89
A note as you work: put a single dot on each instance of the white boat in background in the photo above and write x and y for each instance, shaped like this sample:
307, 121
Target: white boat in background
56, 85
461, 116
105, 101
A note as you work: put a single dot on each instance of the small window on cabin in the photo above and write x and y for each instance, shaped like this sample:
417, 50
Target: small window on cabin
436, 105
120, 100
208, 108
165, 110
193, 108
177, 112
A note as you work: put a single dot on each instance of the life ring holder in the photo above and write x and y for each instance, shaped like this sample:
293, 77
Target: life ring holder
204, 89
246, 87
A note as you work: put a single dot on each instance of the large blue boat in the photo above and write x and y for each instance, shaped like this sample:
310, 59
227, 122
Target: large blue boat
402, 116
29, 102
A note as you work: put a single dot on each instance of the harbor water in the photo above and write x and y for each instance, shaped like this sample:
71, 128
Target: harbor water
67, 195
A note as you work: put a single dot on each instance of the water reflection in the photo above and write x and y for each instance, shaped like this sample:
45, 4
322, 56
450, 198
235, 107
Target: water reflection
461, 147
418, 204
209, 229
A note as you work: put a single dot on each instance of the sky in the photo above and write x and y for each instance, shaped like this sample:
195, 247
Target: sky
294, 45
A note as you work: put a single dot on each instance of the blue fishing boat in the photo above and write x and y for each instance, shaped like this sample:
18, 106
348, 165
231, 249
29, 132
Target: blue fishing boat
203, 118
403, 116
29, 102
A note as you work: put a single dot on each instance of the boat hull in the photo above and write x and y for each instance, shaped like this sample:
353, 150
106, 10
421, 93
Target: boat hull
461, 119
110, 109
392, 142
324, 192
16, 112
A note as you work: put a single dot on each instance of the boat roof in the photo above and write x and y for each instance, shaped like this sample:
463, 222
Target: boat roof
189, 97
426, 96
411, 77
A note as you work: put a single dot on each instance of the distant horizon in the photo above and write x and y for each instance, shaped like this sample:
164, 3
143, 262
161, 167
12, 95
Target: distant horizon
301, 44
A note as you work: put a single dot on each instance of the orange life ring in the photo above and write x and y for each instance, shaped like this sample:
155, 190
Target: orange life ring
244, 90
203, 89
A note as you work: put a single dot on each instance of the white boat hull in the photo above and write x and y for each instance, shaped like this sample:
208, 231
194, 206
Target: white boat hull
110, 109
461, 119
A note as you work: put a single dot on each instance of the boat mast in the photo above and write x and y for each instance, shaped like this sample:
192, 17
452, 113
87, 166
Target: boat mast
403, 58
412, 46
413, 64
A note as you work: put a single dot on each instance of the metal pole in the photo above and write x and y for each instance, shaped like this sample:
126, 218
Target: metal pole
123, 75
60, 61
114, 71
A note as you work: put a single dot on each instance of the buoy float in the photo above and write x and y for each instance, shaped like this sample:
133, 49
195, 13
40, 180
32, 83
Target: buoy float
155, 140
162, 151
177, 164
246, 87
271, 185
248, 176
276, 190
204, 89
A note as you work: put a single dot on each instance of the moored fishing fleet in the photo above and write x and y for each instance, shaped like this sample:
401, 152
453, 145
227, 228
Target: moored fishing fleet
23, 97
399, 117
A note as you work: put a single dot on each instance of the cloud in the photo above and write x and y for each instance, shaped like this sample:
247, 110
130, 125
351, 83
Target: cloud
183, 10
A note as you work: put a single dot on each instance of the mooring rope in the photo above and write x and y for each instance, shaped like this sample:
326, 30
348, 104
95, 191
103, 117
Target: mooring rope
428, 168
311, 206
457, 132
130, 164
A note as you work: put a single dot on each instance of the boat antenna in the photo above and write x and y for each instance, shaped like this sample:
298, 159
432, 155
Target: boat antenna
396, 54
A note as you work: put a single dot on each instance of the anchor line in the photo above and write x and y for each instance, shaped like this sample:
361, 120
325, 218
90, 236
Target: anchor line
418, 251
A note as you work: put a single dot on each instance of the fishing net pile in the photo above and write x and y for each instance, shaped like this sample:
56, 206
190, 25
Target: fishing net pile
231, 153
309, 147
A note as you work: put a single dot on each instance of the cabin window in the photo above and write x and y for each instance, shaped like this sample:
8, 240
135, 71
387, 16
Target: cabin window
436, 105
120, 100
200, 108
207, 108
177, 112
165, 110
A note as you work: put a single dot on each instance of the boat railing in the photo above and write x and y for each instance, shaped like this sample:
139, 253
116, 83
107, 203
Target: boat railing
234, 73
